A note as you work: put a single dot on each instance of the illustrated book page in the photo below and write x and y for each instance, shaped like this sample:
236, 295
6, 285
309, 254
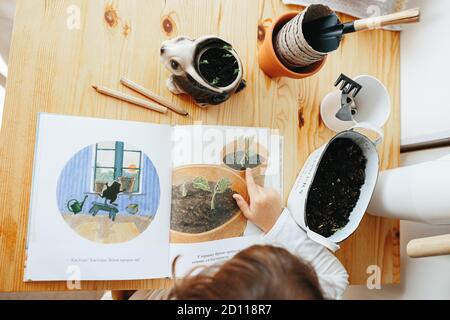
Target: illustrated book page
209, 166
100, 201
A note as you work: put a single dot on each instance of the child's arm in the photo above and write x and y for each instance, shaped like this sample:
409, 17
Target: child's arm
333, 277
265, 210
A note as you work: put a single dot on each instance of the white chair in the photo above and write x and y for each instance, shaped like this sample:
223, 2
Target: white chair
418, 192
429, 247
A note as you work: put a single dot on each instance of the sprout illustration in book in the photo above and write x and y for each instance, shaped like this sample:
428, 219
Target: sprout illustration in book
109, 192
245, 154
220, 187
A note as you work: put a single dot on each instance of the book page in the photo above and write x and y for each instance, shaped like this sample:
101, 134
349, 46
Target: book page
100, 204
209, 167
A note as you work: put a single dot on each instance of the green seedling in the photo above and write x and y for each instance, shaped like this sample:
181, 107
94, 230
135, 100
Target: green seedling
227, 47
201, 184
249, 150
228, 55
204, 62
221, 186
215, 81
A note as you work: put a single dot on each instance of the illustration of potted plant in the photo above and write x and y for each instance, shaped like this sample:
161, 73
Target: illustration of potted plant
245, 153
99, 186
127, 183
201, 183
285, 51
203, 208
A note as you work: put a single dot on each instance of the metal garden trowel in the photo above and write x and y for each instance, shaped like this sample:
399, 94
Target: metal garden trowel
350, 90
325, 34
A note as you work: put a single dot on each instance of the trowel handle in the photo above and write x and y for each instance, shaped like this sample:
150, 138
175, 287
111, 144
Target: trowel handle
371, 127
403, 17
429, 247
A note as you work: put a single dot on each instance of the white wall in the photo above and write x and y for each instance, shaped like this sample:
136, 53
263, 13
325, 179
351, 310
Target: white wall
425, 68
7, 9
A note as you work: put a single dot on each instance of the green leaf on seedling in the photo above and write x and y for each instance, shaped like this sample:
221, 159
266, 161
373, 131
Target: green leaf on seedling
202, 184
228, 55
227, 47
204, 62
222, 186
215, 81
236, 72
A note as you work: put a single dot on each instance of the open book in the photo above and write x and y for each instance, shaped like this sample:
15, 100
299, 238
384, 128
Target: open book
119, 200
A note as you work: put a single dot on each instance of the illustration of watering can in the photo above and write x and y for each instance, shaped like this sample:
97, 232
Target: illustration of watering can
75, 206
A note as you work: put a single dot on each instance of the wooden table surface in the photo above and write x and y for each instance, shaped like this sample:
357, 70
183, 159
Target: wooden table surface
52, 67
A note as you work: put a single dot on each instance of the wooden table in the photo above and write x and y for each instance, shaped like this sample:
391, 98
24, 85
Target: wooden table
53, 66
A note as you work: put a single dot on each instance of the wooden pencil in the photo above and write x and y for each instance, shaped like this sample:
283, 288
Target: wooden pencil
130, 99
147, 93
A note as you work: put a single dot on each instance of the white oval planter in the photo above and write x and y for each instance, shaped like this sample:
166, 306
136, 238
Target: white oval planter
299, 194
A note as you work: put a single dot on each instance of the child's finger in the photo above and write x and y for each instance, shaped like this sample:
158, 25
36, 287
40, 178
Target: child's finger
243, 205
252, 187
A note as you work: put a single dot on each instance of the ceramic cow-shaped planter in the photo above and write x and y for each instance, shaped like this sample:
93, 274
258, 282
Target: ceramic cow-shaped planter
208, 69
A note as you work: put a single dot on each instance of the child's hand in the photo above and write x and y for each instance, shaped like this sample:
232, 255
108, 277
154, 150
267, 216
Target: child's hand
265, 204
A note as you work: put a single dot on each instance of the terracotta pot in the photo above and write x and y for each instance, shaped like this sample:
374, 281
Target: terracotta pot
127, 184
234, 227
258, 172
269, 61
99, 186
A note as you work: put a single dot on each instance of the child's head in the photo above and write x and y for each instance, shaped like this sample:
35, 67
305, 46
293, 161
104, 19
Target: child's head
258, 273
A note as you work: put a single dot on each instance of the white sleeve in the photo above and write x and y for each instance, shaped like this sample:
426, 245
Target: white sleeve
332, 275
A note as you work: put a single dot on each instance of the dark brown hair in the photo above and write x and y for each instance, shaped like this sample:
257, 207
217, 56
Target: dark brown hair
257, 273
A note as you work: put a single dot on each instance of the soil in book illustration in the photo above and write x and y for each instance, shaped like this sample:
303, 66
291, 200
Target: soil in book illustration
203, 208
109, 192
201, 205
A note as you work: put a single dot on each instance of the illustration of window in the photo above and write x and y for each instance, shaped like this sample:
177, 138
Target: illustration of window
117, 161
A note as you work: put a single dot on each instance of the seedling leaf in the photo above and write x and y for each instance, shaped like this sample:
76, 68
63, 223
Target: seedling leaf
202, 184
227, 47
215, 81
222, 186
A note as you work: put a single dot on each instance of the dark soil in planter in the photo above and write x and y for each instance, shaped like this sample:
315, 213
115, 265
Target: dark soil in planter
193, 214
234, 161
336, 187
219, 67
